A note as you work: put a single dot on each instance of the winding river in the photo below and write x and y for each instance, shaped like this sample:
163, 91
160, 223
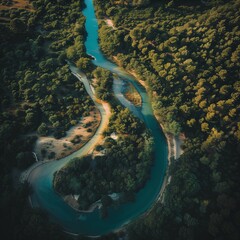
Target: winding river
41, 176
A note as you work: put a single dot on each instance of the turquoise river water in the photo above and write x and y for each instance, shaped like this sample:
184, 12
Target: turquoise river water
41, 177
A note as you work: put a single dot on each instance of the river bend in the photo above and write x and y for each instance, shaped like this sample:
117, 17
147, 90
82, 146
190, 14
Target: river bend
41, 177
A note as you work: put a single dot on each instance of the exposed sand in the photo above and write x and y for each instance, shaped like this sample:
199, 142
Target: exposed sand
107, 109
109, 22
81, 133
178, 142
23, 4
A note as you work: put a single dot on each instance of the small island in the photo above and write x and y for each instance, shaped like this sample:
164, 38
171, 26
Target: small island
132, 94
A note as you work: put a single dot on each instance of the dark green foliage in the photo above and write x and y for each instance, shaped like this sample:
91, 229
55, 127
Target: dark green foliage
19, 221
24, 159
43, 129
188, 55
123, 167
37, 92
17, 26
33, 67
106, 200
103, 83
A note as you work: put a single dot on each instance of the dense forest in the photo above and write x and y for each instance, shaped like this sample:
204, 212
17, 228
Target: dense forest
188, 55
39, 96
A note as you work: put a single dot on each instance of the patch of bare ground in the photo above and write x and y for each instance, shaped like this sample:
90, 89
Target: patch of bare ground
22, 4
143, 83
49, 148
109, 23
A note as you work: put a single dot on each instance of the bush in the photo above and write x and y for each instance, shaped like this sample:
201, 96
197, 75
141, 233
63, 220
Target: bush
51, 155
89, 130
43, 129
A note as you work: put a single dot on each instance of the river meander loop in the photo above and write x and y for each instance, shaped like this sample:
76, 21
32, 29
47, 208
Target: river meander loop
41, 176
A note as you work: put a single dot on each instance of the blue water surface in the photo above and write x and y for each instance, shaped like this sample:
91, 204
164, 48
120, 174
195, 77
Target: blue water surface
91, 224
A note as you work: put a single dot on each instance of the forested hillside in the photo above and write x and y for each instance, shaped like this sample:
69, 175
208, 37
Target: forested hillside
188, 54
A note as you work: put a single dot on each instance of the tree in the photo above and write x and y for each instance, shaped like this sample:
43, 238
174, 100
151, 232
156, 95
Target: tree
18, 26
31, 119
24, 159
43, 129
83, 63
205, 127
106, 200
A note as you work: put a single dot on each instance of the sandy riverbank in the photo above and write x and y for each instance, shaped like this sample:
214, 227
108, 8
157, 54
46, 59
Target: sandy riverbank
63, 147
49, 148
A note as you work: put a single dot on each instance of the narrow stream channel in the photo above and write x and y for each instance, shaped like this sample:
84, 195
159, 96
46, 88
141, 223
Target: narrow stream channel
41, 177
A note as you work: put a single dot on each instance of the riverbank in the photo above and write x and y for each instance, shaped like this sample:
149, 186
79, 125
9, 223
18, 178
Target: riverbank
24, 176
174, 142
70, 199
50, 148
